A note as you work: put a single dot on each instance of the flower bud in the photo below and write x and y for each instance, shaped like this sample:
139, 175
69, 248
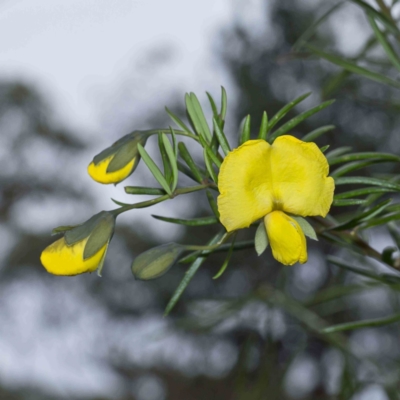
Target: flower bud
157, 261
82, 248
117, 162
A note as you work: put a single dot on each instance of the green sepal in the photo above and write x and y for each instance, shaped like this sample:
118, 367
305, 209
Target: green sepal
306, 227
62, 229
115, 147
127, 153
101, 234
157, 261
261, 239
84, 230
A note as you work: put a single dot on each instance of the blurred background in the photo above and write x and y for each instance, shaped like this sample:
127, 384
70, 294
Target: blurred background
74, 77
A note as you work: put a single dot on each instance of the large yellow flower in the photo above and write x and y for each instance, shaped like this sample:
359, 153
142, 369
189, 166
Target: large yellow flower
259, 180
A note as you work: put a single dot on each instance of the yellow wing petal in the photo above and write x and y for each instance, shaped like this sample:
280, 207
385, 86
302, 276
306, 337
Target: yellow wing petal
60, 259
286, 238
300, 181
99, 173
244, 183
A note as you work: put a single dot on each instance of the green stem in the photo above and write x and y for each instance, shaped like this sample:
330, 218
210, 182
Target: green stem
149, 203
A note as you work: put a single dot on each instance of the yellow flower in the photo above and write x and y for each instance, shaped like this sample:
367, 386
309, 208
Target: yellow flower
83, 247
61, 259
117, 162
259, 180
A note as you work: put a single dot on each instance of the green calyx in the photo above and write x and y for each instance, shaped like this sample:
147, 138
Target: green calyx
157, 261
99, 229
124, 151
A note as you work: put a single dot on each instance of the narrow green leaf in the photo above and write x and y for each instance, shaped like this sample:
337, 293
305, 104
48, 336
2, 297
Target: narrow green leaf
227, 259
213, 157
363, 156
364, 216
221, 137
347, 180
309, 32
184, 153
316, 133
348, 202
306, 227
261, 239
380, 221
172, 161
224, 104
284, 110
189, 275
297, 120
378, 15
209, 166
189, 222
338, 152
263, 132
213, 203
324, 148
144, 190
353, 166
165, 160
245, 134
178, 121
213, 106
120, 203
393, 57
197, 116
353, 67
368, 323
361, 192
151, 165
383, 278
246, 244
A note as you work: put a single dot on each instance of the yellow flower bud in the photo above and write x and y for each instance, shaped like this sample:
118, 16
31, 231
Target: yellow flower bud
118, 161
82, 248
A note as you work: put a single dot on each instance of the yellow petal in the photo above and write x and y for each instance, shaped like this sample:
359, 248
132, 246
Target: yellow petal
245, 187
286, 238
99, 173
300, 181
60, 259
